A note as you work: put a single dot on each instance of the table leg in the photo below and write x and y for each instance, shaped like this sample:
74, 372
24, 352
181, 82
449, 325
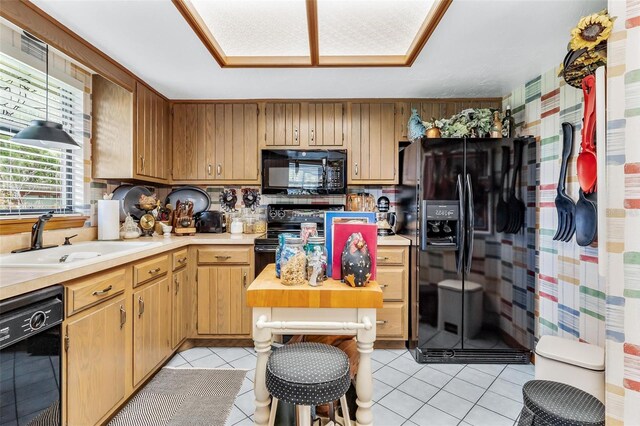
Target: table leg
364, 378
262, 344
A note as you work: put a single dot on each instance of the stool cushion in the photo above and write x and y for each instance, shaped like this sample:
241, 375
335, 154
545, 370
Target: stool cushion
308, 373
558, 404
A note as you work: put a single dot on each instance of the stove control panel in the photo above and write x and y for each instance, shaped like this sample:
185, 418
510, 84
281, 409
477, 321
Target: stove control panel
288, 213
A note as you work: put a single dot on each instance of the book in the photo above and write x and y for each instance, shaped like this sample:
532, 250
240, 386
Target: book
341, 233
333, 217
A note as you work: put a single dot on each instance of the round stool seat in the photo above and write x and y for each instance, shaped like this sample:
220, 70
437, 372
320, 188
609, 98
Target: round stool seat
308, 373
558, 404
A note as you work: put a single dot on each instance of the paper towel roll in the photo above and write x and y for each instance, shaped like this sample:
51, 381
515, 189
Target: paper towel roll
108, 219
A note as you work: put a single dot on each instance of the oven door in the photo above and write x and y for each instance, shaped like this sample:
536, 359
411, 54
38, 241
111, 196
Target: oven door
264, 255
303, 172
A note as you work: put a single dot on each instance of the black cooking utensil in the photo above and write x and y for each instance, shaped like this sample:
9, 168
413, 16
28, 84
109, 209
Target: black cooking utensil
586, 219
502, 217
516, 207
565, 206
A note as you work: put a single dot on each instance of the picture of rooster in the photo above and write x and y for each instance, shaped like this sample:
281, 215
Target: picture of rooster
356, 261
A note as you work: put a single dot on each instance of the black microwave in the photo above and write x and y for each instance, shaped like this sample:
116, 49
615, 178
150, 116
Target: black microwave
304, 172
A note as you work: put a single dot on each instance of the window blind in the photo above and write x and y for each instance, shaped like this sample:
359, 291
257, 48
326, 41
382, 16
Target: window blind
32, 179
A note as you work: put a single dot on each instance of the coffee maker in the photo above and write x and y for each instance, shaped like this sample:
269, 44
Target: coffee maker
385, 219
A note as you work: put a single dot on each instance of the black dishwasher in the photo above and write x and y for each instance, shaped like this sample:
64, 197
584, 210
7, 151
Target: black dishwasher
30, 349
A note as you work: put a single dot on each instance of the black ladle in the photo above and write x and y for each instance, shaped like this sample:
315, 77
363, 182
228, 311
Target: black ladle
586, 219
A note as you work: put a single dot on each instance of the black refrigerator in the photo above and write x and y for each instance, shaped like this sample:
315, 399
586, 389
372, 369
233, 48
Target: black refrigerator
446, 206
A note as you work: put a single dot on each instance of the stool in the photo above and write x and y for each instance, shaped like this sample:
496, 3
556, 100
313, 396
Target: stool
548, 403
308, 374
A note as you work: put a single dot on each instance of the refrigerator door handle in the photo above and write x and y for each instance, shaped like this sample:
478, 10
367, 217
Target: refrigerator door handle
471, 236
461, 225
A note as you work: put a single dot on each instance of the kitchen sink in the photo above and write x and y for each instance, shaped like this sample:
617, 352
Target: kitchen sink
78, 254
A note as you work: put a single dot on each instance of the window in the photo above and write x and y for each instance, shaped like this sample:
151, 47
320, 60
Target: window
34, 180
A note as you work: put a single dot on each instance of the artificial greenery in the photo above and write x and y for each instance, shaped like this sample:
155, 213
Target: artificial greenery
469, 122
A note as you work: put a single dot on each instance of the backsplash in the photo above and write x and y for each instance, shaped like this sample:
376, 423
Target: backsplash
570, 295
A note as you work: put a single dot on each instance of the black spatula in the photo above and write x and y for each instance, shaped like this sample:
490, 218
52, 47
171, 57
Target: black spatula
501, 208
516, 207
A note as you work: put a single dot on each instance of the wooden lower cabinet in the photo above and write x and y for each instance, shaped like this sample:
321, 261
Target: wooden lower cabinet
222, 306
151, 327
95, 362
393, 278
182, 307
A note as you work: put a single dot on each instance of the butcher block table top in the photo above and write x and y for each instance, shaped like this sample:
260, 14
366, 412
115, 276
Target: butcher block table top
266, 291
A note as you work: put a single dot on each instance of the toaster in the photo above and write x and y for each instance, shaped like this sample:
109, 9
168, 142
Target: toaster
210, 222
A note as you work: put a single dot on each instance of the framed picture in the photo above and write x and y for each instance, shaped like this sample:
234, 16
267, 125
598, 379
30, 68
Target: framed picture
331, 218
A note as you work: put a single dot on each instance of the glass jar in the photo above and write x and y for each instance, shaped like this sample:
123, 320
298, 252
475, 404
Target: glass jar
308, 229
316, 261
281, 239
293, 262
237, 225
228, 217
260, 226
249, 224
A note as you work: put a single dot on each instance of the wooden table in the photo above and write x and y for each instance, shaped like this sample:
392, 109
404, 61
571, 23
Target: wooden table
333, 308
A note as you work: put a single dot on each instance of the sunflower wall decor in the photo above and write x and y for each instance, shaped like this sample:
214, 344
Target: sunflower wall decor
587, 49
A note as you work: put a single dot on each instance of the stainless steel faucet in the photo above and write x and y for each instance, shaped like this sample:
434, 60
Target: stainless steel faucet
36, 234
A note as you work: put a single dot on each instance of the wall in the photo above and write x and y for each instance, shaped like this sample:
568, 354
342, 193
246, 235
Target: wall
623, 216
570, 296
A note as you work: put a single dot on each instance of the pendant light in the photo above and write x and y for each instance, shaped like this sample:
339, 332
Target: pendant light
45, 133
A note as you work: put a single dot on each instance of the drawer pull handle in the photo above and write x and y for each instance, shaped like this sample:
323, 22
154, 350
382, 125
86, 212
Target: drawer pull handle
382, 259
383, 286
244, 280
381, 322
123, 316
103, 291
154, 271
182, 261
140, 306
220, 257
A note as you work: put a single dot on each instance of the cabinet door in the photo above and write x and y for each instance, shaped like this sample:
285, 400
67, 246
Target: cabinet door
95, 363
282, 124
222, 307
181, 312
188, 142
374, 150
151, 327
236, 142
151, 157
326, 124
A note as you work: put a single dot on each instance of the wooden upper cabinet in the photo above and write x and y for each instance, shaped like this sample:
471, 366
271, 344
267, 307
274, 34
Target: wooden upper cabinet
152, 134
282, 124
130, 133
215, 142
373, 151
304, 124
326, 124
436, 108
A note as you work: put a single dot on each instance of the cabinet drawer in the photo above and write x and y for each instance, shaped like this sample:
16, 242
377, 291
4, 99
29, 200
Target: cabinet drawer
99, 287
179, 259
391, 279
391, 256
224, 255
390, 320
150, 269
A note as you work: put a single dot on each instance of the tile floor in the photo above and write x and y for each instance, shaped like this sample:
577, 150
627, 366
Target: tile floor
405, 393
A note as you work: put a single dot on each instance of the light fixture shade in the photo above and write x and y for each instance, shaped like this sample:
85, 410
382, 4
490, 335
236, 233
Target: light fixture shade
45, 134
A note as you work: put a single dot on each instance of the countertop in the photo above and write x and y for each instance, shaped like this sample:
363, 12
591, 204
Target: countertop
16, 281
267, 291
